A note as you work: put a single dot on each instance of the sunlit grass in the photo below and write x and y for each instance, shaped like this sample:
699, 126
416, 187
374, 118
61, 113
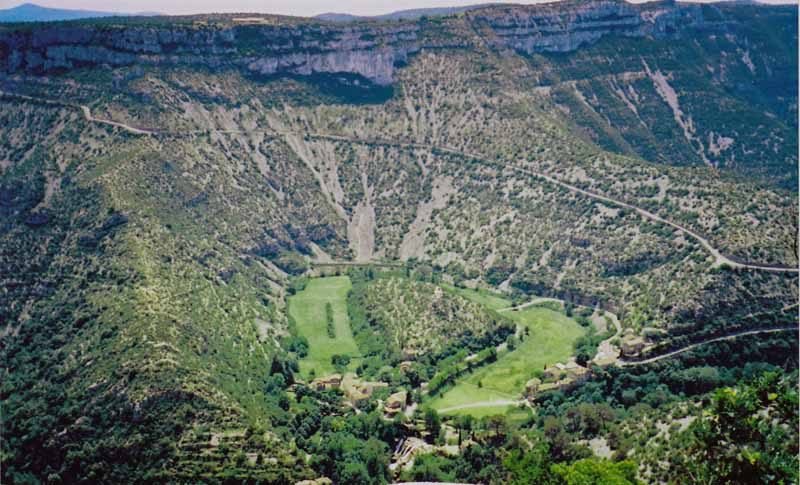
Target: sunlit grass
550, 341
308, 309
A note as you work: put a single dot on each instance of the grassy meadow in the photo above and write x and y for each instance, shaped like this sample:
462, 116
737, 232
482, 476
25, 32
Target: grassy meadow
550, 341
307, 308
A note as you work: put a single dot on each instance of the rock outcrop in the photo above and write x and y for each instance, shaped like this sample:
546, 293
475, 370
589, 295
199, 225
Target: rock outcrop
565, 26
369, 49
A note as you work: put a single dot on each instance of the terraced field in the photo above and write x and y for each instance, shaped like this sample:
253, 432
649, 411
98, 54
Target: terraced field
550, 341
308, 310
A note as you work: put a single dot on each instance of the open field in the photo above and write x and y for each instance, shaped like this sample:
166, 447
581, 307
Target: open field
308, 310
489, 299
550, 341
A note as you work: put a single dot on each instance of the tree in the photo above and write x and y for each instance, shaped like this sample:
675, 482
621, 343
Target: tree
497, 423
749, 434
298, 345
353, 472
582, 358
240, 459
592, 471
529, 466
329, 325
433, 423
698, 380
463, 423
430, 468
347, 458
589, 418
283, 367
292, 263
511, 342
340, 362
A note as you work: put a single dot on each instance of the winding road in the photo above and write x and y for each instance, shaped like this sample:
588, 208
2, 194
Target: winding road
85, 110
624, 363
87, 113
719, 258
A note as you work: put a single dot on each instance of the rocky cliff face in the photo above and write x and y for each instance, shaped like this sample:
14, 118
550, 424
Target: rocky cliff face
369, 49
565, 27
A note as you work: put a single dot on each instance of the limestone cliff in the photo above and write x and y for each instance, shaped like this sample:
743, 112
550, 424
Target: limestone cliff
373, 49
563, 27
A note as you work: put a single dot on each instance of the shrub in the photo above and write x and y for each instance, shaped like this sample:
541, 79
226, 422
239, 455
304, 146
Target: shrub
329, 326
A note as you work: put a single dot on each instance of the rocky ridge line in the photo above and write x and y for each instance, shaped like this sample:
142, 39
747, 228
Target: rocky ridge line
372, 49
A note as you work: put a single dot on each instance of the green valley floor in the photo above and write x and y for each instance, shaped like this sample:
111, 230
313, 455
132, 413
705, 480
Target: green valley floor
550, 339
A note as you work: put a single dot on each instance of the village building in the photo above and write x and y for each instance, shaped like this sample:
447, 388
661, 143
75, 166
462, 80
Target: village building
632, 345
558, 376
532, 387
395, 404
326, 383
357, 391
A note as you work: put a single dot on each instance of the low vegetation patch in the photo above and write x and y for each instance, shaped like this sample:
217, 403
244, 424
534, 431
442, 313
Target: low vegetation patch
416, 318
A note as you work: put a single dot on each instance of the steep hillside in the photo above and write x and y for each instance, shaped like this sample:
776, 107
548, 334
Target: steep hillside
726, 100
125, 305
487, 212
163, 180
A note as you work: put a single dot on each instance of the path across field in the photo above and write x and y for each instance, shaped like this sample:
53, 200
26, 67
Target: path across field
535, 301
483, 404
